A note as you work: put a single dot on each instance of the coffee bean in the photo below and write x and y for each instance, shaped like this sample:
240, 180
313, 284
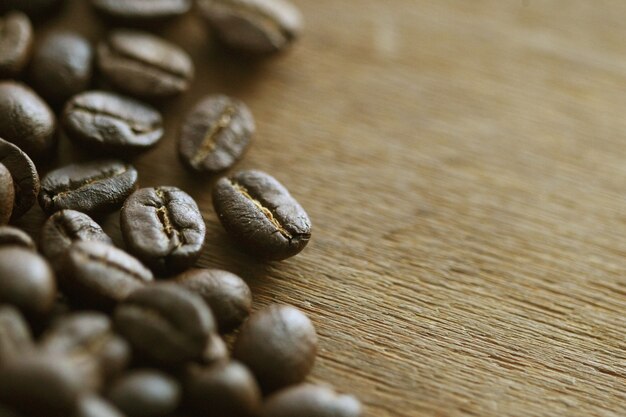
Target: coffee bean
38, 385
12, 236
66, 227
163, 227
88, 338
15, 336
228, 295
166, 323
26, 120
141, 11
26, 280
261, 215
144, 65
215, 134
256, 26
227, 389
25, 177
215, 351
312, 401
7, 195
145, 393
279, 345
112, 123
62, 66
92, 187
16, 43
97, 275
31, 7
94, 406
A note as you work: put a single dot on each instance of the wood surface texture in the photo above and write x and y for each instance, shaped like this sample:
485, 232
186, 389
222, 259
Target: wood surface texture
464, 165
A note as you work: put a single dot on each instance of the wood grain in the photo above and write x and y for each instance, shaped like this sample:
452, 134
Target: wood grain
464, 163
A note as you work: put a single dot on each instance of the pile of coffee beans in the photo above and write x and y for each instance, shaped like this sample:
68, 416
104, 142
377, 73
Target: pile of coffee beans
88, 329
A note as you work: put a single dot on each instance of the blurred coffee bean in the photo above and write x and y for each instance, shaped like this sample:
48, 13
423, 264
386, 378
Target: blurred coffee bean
7, 195
163, 227
91, 187
97, 275
144, 65
145, 393
15, 335
26, 120
111, 123
228, 295
16, 43
255, 26
64, 228
94, 406
165, 323
62, 66
279, 345
260, 214
215, 134
26, 280
12, 236
141, 12
24, 174
215, 351
226, 389
311, 401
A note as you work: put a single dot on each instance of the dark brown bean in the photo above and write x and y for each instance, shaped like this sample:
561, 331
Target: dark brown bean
111, 123
165, 323
16, 43
215, 351
15, 336
141, 12
226, 389
94, 406
26, 120
92, 187
145, 393
163, 227
64, 228
98, 275
7, 195
215, 134
228, 295
12, 236
25, 177
311, 401
144, 65
26, 280
259, 213
255, 26
279, 345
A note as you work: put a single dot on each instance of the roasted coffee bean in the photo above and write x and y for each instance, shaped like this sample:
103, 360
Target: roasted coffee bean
227, 389
40, 385
261, 215
26, 120
62, 66
163, 227
145, 393
311, 401
215, 134
88, 338
24, 174
66, 227
228, 295
92, 187
12, 236
31, 7
112, 123
94, 406
7, 195
256, 26
15, 336
279, 345
166, 323
16, 43
97, 275
141, 11
215, 351
144, 65
26, 280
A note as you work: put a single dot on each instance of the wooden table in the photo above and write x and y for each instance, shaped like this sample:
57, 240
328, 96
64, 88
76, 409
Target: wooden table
464, 163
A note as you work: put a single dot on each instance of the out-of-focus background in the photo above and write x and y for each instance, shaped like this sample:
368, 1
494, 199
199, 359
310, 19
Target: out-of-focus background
464, 164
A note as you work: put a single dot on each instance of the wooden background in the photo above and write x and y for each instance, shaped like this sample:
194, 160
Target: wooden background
464, 164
